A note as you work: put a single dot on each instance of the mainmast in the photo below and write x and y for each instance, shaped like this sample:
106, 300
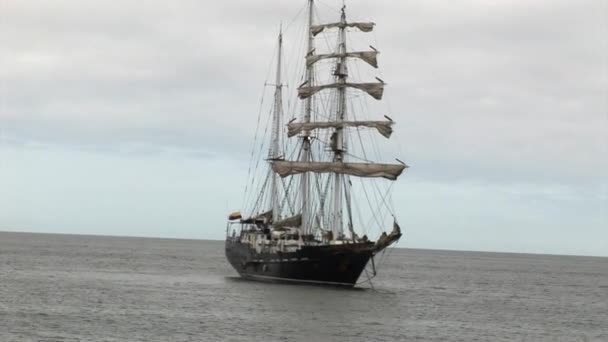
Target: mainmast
306, 153
274, 151
341, 74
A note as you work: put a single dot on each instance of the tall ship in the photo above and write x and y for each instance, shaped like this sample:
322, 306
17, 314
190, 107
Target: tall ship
314, 194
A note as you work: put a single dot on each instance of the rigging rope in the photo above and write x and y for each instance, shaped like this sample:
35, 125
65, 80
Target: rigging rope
253, 151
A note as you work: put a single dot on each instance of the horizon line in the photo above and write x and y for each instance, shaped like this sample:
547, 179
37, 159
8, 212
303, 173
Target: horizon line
219, 240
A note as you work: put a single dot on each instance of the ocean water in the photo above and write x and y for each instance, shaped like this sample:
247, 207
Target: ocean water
90, 288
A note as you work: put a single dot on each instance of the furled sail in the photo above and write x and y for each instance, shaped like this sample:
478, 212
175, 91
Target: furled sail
369, 57
365, 27
388, 171
386, 240
264, 217
374, 89
293, 221
267, 215
384, 127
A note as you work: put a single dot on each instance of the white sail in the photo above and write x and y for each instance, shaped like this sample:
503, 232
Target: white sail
384, 127
388, 171
365, 27
374, 89
369, 57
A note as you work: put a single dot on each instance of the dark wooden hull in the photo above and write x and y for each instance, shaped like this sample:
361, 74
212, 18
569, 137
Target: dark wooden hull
336, 265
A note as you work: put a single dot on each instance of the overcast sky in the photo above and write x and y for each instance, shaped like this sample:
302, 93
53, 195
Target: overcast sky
136, 118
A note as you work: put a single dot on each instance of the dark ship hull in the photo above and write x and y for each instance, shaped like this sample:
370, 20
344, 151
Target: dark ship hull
335, 265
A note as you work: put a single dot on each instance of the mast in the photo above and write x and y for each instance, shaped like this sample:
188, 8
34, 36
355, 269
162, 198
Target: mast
274, 152
341, 74
306, 155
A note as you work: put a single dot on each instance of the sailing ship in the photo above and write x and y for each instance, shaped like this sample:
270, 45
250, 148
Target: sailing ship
300, 226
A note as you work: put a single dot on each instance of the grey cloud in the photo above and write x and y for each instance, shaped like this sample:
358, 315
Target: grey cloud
500, 90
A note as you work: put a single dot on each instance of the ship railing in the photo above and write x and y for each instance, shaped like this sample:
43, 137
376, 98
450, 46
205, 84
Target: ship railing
233, 230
